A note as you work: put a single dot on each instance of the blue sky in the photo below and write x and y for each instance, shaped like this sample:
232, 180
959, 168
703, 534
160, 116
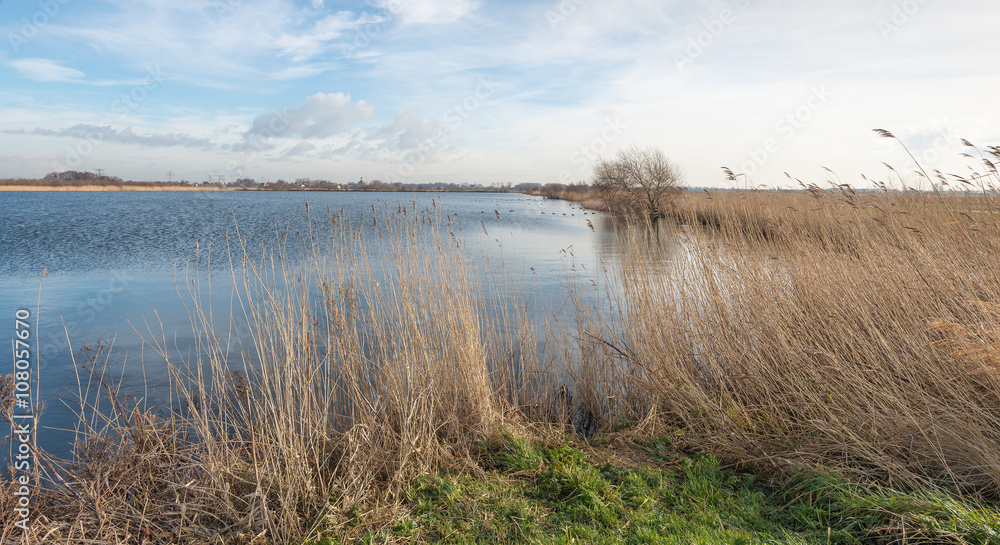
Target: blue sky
492, 92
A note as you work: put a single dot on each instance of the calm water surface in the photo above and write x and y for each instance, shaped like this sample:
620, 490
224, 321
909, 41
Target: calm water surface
113, 258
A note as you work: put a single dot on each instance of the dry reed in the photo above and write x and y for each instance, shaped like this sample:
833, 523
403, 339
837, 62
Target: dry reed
832, 328
369, 356
858, 331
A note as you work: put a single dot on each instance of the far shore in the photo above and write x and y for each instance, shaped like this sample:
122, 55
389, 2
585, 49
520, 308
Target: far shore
111, 188
217, 188
73, 185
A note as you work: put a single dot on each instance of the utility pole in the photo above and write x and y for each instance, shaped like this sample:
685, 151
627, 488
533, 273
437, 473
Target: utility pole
170, 175
100, 172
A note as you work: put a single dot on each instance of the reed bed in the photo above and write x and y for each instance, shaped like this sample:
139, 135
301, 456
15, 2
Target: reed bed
774, 330
367, 356
782, 330
586, 195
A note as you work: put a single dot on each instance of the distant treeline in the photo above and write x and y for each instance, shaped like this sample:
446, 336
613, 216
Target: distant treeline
74, 178
111, 181
374, 185
79, 176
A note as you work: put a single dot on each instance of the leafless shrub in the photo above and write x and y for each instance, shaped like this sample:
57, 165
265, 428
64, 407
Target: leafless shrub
638, 181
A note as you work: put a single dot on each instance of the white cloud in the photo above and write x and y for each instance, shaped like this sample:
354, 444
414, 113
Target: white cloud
107, 133
218, 44
46, 70
428, 11
390, 142
320, 116
408, 130
929, 81
323, 35
301, 71
330, 121
299, 150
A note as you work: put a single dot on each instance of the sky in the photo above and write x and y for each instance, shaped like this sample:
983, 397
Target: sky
490, 92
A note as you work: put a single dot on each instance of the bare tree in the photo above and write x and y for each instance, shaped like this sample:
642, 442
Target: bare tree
638, 180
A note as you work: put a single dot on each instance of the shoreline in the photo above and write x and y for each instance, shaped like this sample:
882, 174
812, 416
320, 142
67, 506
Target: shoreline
106, 188
216, 188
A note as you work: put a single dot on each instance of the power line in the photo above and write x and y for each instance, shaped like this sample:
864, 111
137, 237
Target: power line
170, 175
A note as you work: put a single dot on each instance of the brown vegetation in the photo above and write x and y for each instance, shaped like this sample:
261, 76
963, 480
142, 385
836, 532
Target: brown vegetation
832, 328
364, 365
776, 330
584, 194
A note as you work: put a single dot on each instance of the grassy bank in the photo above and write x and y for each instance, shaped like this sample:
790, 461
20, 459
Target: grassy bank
837, 352
616, 490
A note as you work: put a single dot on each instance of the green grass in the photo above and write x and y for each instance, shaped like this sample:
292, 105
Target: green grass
531, 493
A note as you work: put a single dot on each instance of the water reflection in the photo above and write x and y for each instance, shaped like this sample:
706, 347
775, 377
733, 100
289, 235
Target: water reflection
124, 266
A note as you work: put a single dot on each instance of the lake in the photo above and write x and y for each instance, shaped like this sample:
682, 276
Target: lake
116, 260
